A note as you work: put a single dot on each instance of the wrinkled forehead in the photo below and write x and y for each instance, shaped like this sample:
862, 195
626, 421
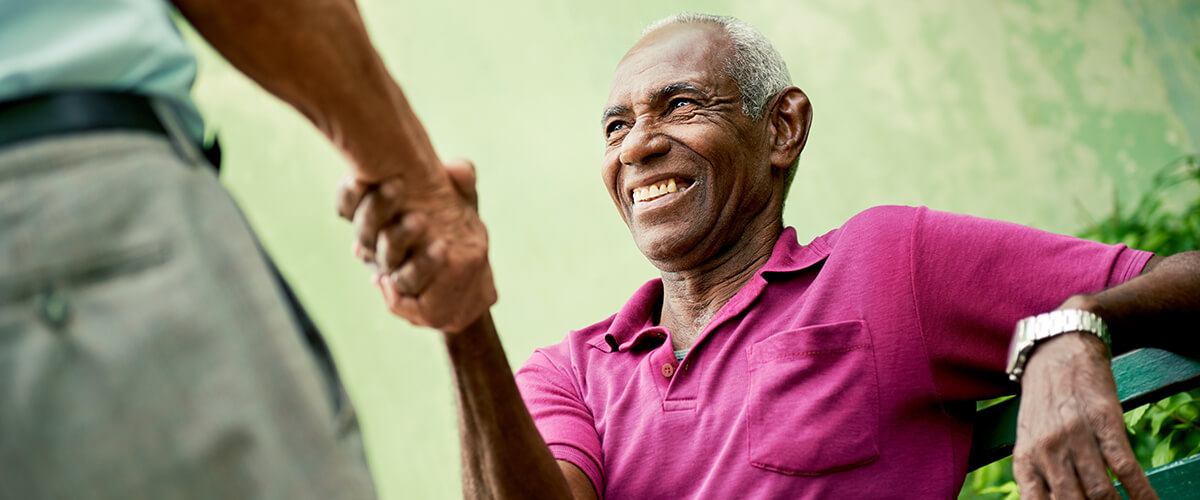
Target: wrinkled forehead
679, 53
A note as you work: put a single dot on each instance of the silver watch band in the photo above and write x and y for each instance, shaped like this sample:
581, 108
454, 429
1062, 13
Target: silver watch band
1035, 329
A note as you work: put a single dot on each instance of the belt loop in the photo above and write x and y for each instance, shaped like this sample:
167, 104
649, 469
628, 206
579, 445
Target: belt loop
180, 138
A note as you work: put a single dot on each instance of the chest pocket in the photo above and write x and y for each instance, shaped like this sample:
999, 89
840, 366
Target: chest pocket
813, 402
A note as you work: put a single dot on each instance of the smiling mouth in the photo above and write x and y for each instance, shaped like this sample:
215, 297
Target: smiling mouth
658, 190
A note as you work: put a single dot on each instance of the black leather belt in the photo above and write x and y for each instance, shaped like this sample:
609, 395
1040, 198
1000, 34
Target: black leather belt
75, 111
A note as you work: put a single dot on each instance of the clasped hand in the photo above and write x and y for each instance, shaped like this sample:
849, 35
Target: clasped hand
426, 243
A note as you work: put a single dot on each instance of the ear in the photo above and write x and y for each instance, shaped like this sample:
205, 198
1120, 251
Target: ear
790, 117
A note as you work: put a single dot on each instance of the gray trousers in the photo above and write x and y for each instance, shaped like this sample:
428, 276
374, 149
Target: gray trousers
146, 351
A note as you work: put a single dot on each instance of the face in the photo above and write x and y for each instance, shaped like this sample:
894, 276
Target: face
687, 170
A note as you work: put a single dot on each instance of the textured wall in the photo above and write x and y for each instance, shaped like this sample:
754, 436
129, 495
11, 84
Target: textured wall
1023, 111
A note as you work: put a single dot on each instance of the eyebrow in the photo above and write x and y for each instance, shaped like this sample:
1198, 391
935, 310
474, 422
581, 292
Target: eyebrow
657, 95
675, 88
612, 111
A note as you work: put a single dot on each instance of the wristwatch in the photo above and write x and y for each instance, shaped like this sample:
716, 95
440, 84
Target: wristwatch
1034, 329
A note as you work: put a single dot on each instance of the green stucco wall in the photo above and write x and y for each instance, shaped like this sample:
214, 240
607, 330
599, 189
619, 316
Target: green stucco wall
1032, 112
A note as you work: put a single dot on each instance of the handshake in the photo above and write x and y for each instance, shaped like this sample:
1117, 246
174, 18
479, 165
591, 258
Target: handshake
426, 244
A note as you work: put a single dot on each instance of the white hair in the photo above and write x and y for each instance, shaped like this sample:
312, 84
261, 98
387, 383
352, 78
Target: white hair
755, 66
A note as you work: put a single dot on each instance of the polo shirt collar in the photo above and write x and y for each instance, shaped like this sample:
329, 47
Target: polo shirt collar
633, 328
788, 256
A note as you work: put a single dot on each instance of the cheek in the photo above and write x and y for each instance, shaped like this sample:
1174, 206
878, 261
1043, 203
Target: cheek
609, 171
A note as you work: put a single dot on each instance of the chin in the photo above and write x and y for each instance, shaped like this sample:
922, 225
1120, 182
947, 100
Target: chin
668, 248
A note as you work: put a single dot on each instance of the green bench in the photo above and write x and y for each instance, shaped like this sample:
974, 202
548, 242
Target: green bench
1143, 376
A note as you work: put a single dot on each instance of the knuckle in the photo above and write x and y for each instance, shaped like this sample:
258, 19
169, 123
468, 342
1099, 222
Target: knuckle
1064, 486
1074, 426
392, 188
1101, 490
1048, 442
1023, 460
414, 222
1124, 465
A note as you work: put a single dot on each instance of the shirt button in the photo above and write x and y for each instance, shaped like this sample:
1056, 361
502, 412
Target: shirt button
668, 370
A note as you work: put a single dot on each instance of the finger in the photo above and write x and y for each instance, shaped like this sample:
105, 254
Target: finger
369, 218
401, 305
1029, 483
1114, 446
1059, 474
395, 242
462, 175
1033, 490
349, 193
416, 274
1093, 476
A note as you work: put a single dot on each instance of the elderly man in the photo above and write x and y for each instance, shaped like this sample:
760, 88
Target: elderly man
757, 367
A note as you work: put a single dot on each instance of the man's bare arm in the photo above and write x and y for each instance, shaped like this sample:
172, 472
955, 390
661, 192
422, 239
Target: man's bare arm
503, 454
1070, 429
316, 56
1148, 311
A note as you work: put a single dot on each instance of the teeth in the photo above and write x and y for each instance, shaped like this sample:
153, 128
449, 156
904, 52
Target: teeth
648, 193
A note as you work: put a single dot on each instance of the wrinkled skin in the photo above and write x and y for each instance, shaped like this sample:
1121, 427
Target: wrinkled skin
674, 113
429, 249
1070, 430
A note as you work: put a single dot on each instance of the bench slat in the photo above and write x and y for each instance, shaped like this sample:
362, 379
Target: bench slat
1143, 376
1178, 479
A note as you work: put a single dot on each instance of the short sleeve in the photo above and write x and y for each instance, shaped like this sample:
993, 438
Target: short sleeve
974, 278
560, 413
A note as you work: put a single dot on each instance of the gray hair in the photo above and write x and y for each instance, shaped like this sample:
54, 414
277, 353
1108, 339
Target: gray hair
755, 66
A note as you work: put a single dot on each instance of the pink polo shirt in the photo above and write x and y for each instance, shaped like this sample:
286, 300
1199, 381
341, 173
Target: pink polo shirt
845, 368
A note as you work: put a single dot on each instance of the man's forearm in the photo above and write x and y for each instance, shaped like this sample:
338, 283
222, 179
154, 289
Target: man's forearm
504, 456
1070, 429
316, 55
1152, 309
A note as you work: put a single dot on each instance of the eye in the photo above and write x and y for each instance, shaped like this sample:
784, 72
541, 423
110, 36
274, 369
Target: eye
679, 102
614, 126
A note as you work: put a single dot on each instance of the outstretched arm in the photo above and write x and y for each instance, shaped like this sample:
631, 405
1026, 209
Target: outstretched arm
1070, 427
316, 56
503, 454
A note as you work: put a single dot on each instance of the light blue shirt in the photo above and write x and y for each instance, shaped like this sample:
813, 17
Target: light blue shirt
125, 45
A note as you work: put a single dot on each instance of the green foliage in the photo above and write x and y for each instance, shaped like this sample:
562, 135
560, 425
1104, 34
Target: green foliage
1165, 220
1153, 223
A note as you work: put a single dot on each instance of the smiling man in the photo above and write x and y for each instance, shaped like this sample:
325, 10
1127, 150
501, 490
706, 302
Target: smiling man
759, 367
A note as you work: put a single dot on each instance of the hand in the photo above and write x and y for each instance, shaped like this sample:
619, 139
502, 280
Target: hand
427, 244
1070, 427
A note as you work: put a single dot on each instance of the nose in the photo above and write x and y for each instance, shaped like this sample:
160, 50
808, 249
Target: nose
642, 144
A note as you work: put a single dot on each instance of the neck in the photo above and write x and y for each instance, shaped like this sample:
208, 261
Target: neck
692, 297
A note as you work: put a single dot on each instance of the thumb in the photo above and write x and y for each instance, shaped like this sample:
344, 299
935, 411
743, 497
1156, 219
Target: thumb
350, 193
462, 175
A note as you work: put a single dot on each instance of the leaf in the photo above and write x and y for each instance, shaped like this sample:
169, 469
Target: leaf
1007, 488
1156, 420
1163, 454
1189, 412
1134, 417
